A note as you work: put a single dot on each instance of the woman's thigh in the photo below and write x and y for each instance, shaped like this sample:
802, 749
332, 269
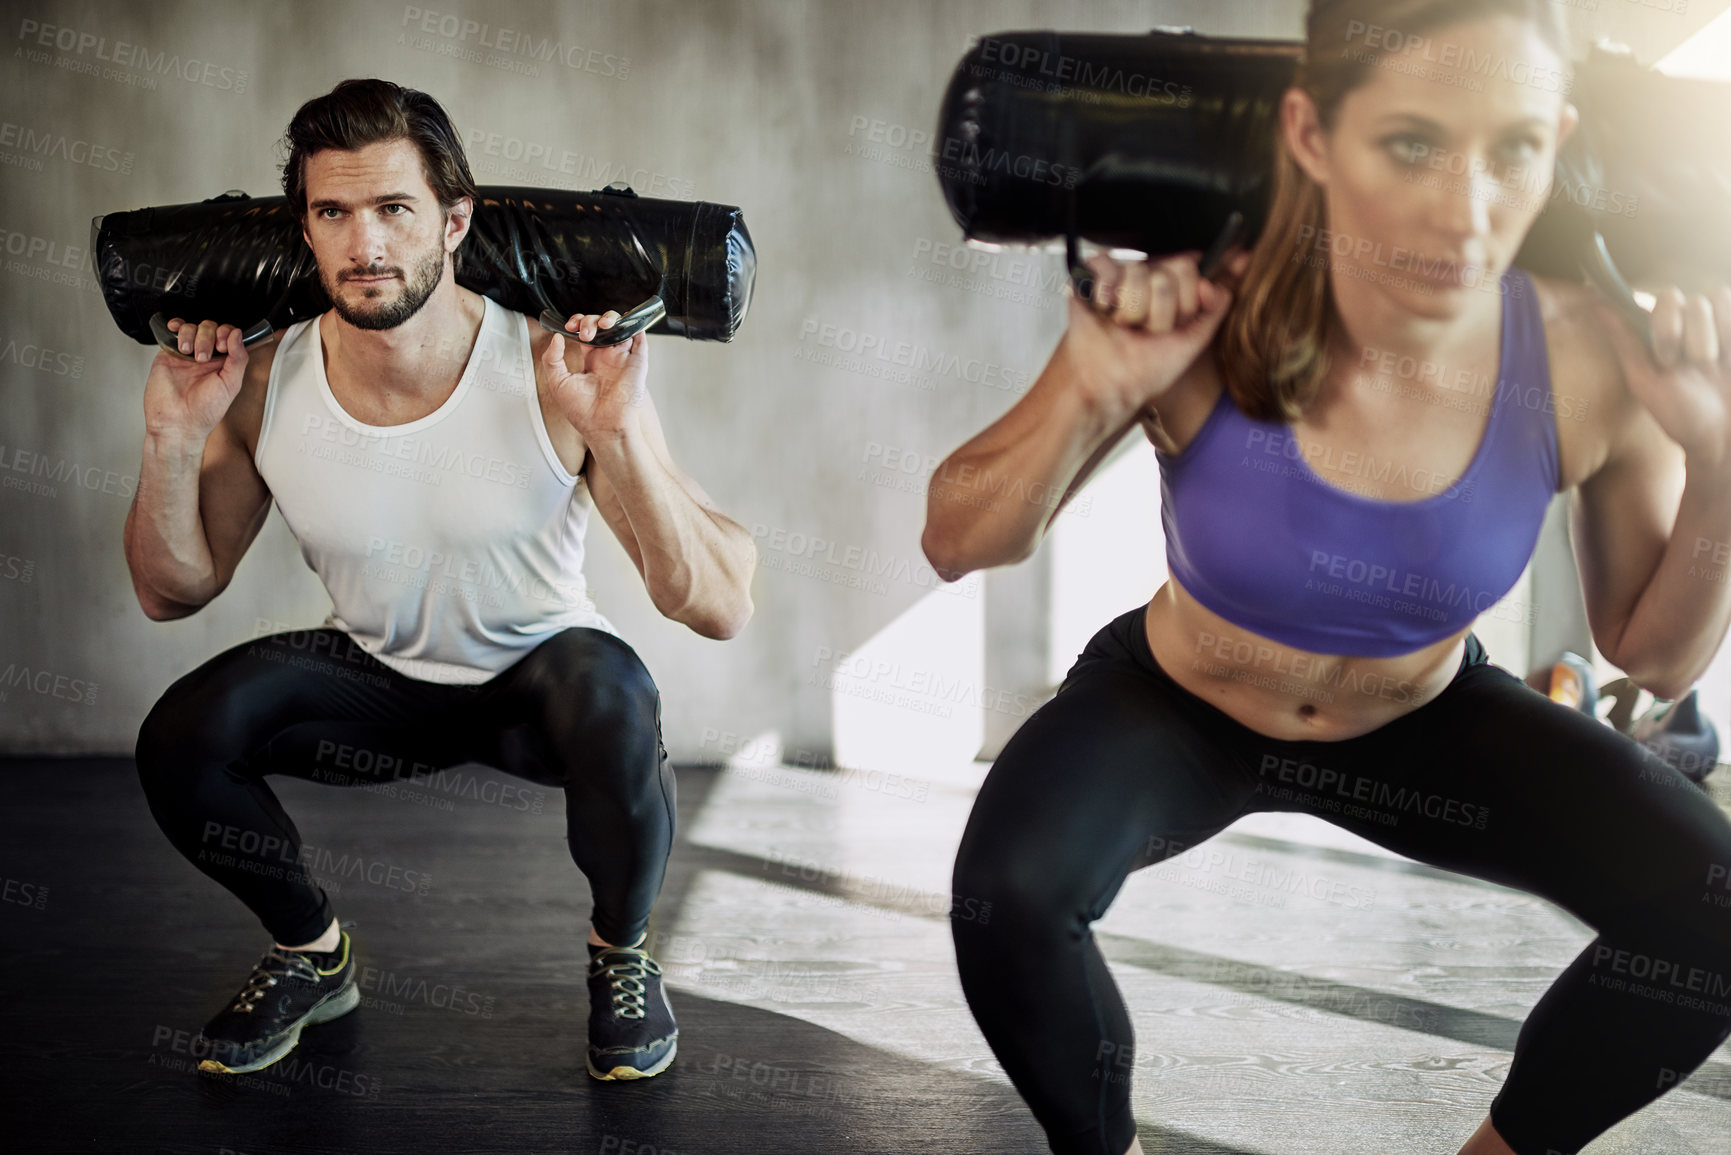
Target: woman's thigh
1114, 773
1496, 781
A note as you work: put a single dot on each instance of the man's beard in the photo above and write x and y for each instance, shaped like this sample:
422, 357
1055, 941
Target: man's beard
417, 288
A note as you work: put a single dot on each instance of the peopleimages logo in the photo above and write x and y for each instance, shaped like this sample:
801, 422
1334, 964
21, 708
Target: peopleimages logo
1458, 65
857, 566
41, 358
550, 157
919, 362
1386, 796
46, 683
475, 579
1057, 72
967, 160
31, 464
1406, 583
82, 43
421, 457
1365, 469
920, 689
506, 48
36, 145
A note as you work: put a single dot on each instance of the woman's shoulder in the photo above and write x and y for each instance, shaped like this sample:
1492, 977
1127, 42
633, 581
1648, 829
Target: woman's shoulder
1562, 301
1574, 334
1175, 418
1587, 387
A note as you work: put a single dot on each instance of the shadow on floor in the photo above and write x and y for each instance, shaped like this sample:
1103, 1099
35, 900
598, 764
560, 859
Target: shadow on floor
472, 1038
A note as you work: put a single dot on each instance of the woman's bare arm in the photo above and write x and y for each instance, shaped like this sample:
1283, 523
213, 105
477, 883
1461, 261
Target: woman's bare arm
992, 500
1653, 522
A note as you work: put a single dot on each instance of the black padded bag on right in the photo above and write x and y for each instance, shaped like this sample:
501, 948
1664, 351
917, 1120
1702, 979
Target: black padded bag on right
1151, 142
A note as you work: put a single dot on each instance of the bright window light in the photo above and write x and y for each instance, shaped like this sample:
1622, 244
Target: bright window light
1705, 55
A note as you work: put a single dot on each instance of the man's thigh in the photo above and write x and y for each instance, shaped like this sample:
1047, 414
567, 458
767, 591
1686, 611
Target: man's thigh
363, 752
582, 694
301, 702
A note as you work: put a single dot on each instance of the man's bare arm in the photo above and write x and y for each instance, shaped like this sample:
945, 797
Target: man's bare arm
696, 563
200, 500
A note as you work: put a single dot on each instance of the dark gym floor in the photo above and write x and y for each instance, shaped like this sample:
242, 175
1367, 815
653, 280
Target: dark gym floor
804, 935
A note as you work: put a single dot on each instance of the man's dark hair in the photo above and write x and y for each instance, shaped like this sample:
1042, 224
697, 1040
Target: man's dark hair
357, 113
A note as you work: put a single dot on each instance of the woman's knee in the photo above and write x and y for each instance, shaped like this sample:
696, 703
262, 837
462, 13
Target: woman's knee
1702, 923
1673, 931
1000, 888
1046, 863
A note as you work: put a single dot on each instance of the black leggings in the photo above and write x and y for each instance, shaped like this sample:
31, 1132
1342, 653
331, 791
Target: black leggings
579, 712
1124, 767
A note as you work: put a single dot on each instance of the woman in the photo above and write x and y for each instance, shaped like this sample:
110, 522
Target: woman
1357, 441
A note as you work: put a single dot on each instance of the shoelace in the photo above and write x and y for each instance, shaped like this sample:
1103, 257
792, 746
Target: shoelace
626, 978
265, 975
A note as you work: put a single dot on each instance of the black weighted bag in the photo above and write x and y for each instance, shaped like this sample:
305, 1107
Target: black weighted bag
1153, 142
242, 260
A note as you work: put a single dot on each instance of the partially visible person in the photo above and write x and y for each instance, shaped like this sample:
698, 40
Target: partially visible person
1333, 529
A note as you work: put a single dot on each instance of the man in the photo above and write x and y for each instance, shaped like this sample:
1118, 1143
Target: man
436, 457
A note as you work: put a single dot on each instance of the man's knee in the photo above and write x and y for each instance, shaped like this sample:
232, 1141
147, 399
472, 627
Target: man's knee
600, 674
164, 739
193, 730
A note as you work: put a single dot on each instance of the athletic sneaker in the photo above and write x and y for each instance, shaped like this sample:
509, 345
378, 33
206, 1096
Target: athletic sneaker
287, 990
631, 1030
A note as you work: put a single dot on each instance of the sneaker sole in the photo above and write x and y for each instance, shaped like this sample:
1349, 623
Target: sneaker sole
334, 1007
619, 1073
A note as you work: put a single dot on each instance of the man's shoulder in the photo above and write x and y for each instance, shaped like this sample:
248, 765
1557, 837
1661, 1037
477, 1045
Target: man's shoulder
245, 417
567, 442
539, 337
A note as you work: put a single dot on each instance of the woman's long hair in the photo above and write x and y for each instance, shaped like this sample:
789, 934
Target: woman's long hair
1273, 347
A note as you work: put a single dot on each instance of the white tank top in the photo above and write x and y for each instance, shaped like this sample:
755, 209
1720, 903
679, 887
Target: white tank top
452, 545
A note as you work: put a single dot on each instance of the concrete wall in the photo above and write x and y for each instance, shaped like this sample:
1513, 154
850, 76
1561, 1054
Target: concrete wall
800, 113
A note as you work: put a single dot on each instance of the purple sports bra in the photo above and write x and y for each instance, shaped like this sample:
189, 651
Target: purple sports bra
1255, 535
